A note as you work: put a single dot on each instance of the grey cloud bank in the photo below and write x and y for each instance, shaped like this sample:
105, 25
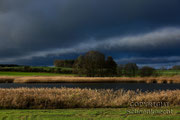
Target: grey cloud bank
121, 28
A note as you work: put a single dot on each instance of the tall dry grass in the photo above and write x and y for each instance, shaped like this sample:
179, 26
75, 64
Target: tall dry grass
46, 98
61, 79
7, 79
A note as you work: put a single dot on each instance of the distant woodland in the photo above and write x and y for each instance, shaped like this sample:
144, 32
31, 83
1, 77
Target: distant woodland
91, 64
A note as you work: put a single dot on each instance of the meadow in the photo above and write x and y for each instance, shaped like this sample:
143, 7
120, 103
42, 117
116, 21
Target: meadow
85, 114
55, 71
168, 72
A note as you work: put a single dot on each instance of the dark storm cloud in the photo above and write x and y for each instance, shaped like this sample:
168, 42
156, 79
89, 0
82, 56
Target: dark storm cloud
39, 28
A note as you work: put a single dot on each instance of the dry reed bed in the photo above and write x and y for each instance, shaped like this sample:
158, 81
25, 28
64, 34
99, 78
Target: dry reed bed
61, 79
54, 98
7, 79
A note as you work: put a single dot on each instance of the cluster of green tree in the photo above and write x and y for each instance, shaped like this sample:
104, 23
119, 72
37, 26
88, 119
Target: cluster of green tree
176, 67
132, 70
36, 69
64, 63
93, 63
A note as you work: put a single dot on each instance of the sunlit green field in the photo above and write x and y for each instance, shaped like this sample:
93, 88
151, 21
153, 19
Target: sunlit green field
168, 72
65, 72
161, 73
32, 74
84, 114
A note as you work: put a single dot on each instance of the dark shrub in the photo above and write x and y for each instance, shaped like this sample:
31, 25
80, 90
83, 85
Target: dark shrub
130, 69
78, 66
58, 70
26, 69
64, 63
120, 70
176, 67
146, 71
111, 67
67, 71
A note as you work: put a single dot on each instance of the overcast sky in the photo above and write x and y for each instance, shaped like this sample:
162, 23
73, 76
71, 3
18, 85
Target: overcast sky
35, 32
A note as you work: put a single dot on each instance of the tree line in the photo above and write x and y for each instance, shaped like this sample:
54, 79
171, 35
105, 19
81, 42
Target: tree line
91, 64
36, 69
94, 64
